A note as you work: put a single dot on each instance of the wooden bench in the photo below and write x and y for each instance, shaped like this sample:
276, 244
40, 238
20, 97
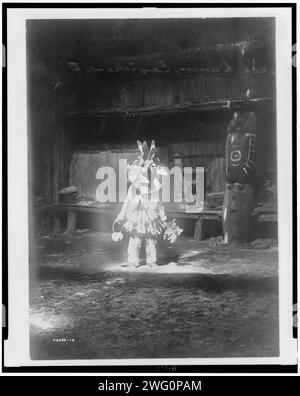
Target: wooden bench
52, 213
260, 214
207, 214
264, 213
199, 217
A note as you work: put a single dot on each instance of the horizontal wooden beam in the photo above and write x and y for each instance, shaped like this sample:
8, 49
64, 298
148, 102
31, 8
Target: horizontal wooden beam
234, 104
214, 58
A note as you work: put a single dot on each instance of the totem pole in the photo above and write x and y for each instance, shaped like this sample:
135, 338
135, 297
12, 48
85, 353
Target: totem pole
239, 201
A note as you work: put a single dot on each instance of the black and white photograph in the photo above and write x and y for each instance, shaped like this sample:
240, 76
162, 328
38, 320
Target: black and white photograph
155, 186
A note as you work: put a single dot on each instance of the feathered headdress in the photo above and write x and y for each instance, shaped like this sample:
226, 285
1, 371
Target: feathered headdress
138, 169
147, 154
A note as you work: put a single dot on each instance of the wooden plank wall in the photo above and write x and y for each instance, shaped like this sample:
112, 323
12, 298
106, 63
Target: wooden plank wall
209, 155
121, 94
188, 135
84, 166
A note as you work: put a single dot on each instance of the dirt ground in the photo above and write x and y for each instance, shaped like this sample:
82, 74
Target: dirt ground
204, 300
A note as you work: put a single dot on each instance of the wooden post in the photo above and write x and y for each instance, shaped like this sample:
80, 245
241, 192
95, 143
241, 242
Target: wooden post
239, 201
198, 232
237, 212
71, 221
56, 224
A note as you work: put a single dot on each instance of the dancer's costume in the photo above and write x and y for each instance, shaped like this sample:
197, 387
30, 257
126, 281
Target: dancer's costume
142, 214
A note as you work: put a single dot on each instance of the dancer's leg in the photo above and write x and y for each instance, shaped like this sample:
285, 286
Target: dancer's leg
151, 253
133, 250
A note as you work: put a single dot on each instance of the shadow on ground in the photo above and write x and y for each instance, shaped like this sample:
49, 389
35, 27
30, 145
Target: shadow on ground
202, 301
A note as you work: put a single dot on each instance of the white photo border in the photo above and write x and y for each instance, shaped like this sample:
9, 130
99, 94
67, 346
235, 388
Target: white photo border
17, 345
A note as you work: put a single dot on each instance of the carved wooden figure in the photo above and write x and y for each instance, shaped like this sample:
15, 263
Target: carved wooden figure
240, 168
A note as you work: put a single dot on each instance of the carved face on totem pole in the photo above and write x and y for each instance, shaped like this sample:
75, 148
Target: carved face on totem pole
240, 148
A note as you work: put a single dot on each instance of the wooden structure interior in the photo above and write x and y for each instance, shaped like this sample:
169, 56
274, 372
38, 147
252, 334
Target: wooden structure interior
97, 86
